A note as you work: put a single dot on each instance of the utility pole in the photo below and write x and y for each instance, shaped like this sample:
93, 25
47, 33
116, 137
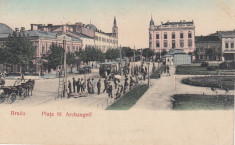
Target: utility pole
65, 69
134, 55
120, 61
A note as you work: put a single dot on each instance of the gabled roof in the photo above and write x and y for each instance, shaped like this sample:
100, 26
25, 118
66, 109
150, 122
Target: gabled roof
4, 29
176, 23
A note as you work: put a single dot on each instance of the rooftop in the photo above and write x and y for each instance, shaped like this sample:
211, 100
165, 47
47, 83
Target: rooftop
4, 29
207, 38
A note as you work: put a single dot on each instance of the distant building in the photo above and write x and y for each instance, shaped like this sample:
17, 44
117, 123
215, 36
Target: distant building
42, 40
89, 34
208, 48
172, 35
228, 41
177, 57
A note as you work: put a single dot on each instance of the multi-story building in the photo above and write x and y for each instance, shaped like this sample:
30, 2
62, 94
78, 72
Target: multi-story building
208, 48
172, 35
89, 34
42, 40
228, 41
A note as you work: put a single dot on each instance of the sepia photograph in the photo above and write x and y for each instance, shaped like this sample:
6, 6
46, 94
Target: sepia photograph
117, 72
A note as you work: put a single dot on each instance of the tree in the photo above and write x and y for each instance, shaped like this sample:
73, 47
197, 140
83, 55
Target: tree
147, 52
112, 54
17, 50
93, 54
56, 56
127, 52
164, 52
196, 53
210, 53
70, 58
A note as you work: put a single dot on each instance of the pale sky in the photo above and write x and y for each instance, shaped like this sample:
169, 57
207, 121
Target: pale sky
132, 16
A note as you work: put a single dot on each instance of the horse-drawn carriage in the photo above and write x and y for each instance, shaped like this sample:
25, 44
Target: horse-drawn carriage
10, 93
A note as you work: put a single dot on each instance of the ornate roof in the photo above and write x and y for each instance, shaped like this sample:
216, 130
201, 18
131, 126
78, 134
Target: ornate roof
93, 27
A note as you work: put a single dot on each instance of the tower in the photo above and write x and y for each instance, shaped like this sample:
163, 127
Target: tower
115, 28
151, 31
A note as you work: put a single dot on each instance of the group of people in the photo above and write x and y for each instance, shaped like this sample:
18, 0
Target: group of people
110, 83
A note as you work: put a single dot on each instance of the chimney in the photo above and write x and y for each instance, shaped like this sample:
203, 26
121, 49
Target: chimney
22, 29
16, 30
34, 27
64, 28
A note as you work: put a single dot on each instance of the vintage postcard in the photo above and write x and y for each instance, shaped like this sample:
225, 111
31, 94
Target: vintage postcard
117, 72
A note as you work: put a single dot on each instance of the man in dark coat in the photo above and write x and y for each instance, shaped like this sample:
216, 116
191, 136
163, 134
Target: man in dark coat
105, 85
78, 85
69, 86
110, 90
74, 85
98, 86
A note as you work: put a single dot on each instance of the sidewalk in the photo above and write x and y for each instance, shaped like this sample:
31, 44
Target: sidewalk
158, 96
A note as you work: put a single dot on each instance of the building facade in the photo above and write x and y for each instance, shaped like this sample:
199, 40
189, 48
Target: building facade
208, 48
42, 41
228, 42
89, 34
172, 35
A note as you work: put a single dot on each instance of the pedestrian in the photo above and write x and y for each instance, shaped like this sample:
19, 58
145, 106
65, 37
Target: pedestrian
115, 82
74, 84
131, 83
93, 86
22, 77
78, 85
88, 86
98, 86
144, 75
110, 90
69, 86
105, 85
83, 85
125, 85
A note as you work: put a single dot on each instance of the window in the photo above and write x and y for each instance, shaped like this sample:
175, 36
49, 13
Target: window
165, 43
181, 43
190, 43
150, 44
173, 35
150, 36
189, 34
157, 44
226, 44
157, 36
68, 48
181, 35
43, 49
232, 45
73, 48
165, 35
173, 43
201, 49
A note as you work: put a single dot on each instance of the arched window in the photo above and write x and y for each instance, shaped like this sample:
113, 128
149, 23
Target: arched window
150, 36
173, 35
189, 34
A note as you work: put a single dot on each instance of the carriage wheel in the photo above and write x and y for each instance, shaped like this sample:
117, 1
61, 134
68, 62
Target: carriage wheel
24, 94
2, 97
12, 98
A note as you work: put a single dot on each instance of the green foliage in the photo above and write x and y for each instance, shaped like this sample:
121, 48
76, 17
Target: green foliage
204, 64
147, 52
56, 56
127, 52
211, 68
93, 54
202, 102
212, 81
210, 52
129, 99
17, 50
70, 58
164, 52
112, 54
227, 65
193, 70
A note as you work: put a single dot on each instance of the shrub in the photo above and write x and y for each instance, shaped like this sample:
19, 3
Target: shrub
129, 99
223, 65
204, 64
211, 68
